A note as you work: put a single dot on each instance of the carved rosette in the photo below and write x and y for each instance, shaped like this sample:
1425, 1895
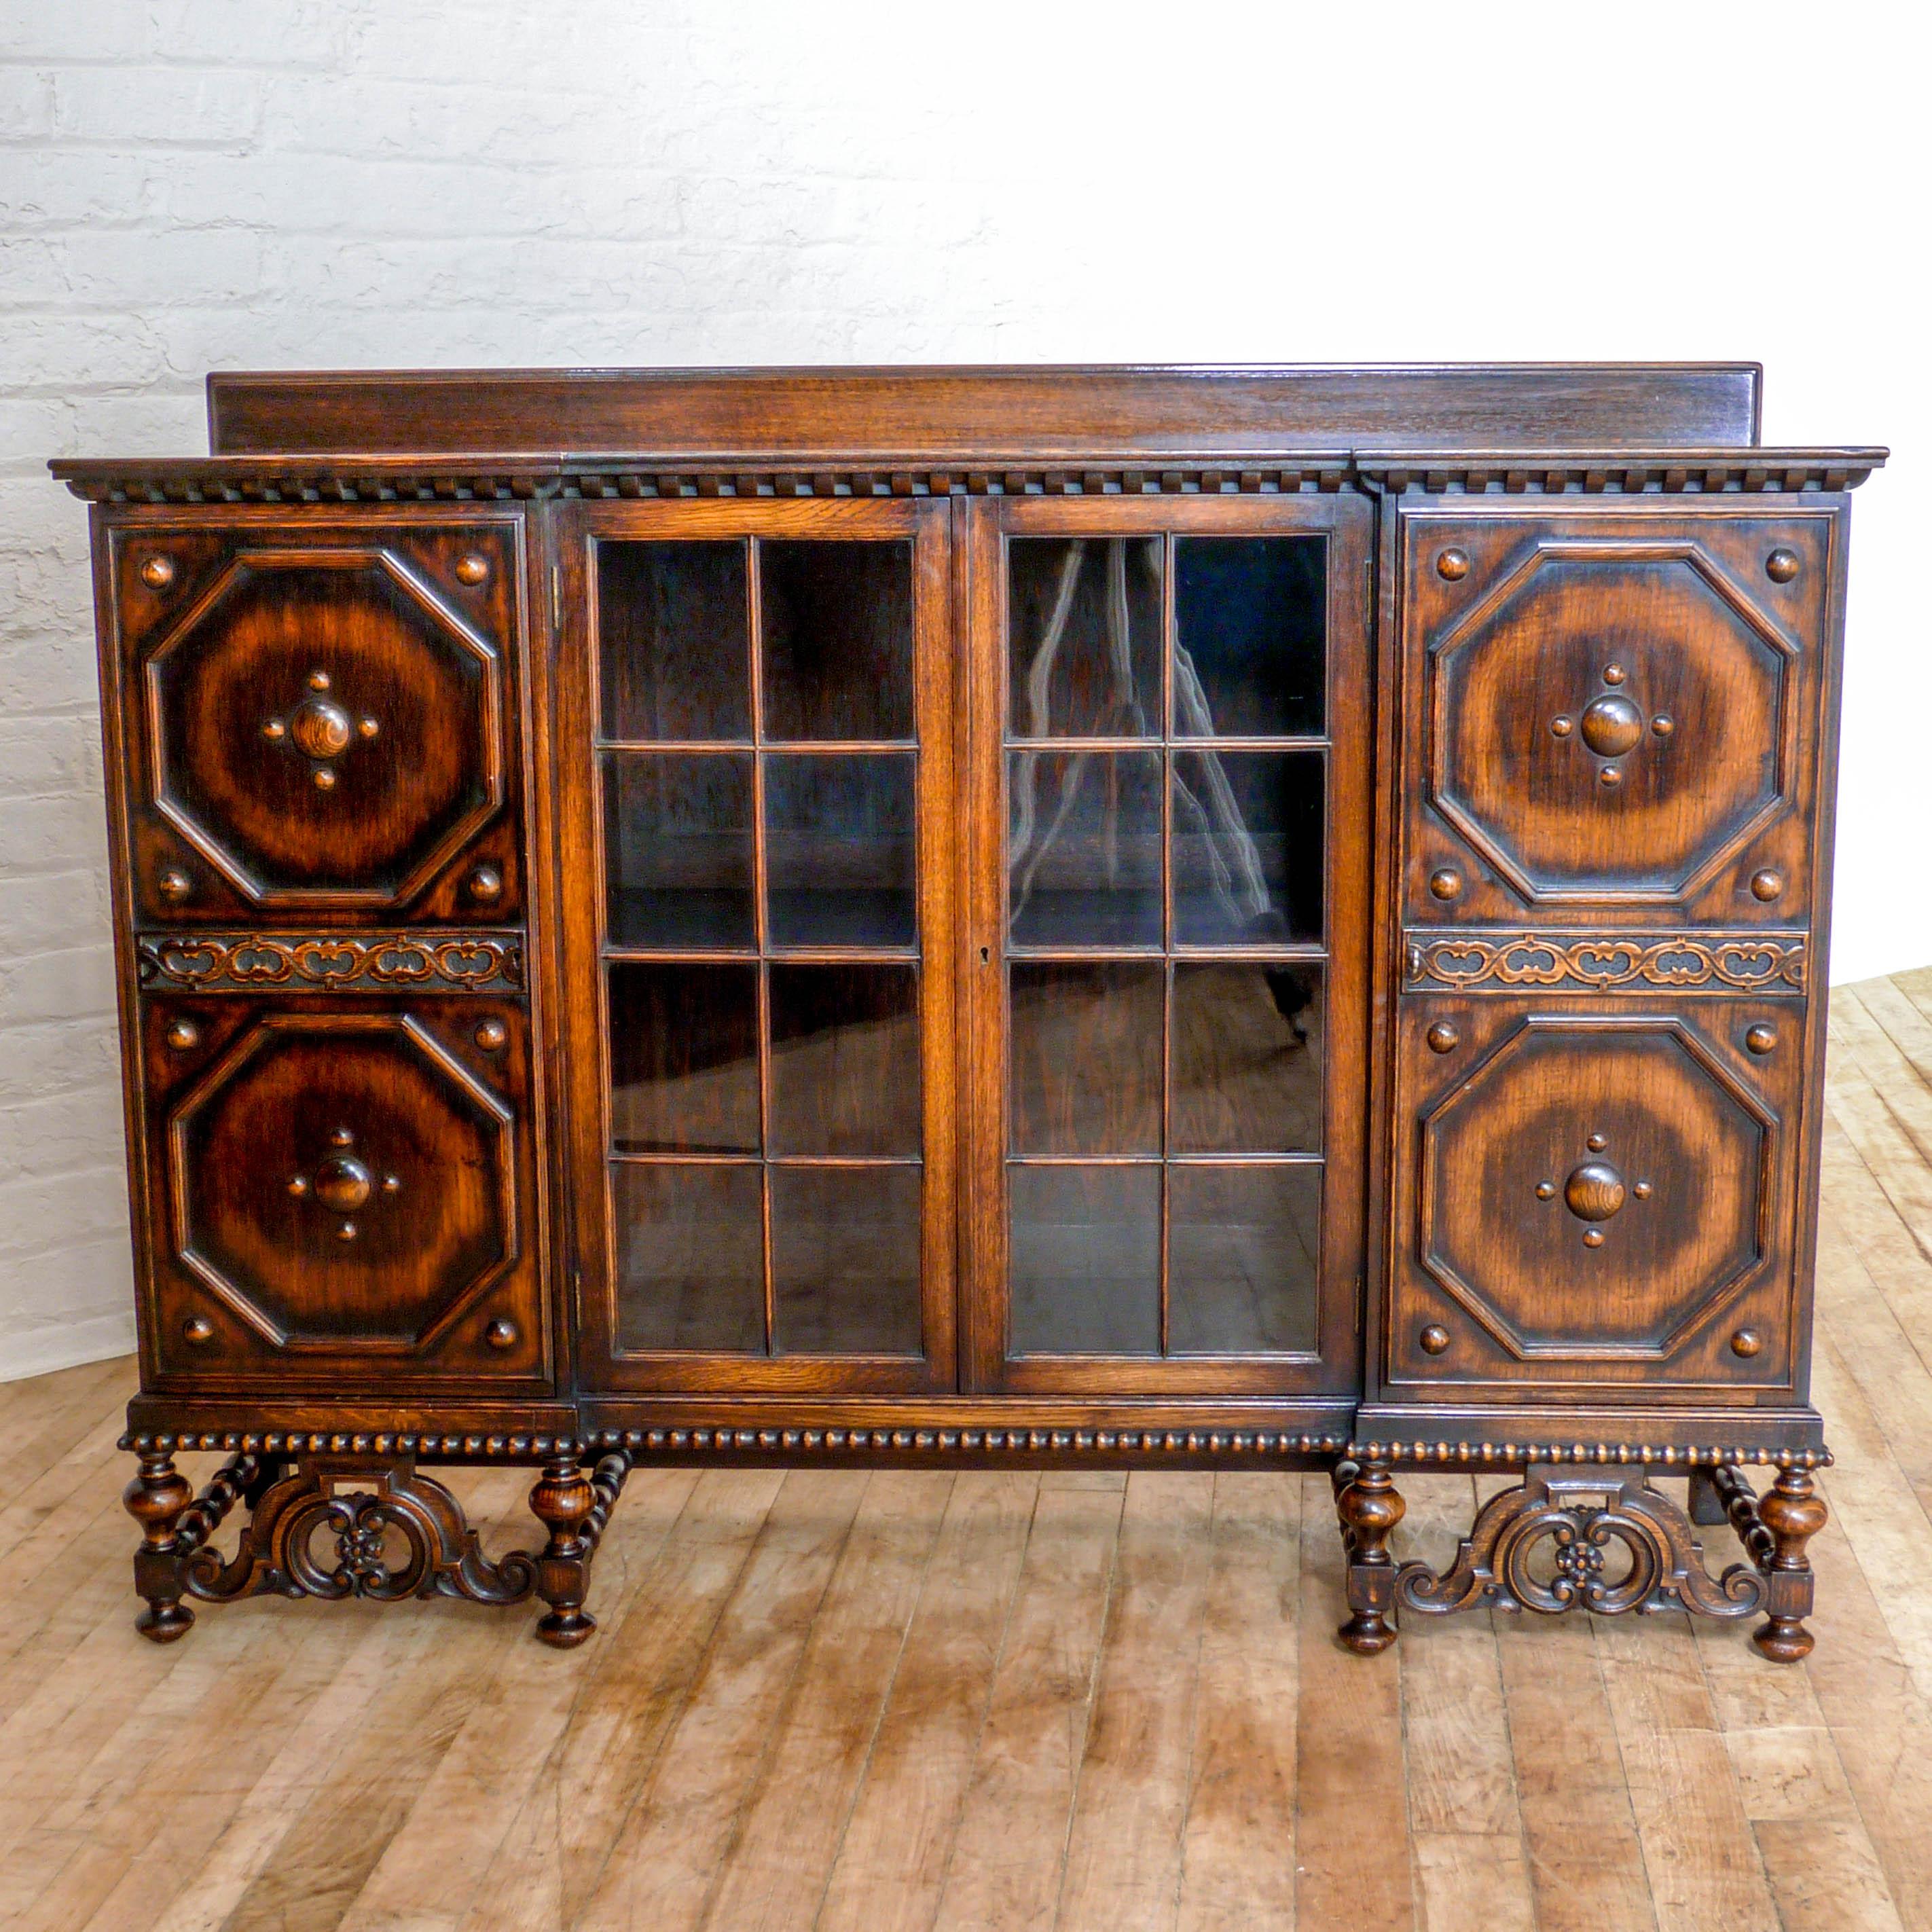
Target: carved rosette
1493, 962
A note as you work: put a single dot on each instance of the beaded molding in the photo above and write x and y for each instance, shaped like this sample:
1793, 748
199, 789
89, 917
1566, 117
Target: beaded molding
1516, 1454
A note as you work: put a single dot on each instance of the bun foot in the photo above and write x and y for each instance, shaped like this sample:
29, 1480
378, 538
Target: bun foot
167, 1623
565, 1629
1367, 1632
1783, 1639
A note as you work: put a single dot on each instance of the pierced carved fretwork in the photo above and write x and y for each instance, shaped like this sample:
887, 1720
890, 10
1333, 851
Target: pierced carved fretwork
1497, 962
1597, 1538
362, 1508
214, 962
1580, 1516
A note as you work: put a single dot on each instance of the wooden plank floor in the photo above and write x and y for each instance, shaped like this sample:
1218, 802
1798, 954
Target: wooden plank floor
1005, 1701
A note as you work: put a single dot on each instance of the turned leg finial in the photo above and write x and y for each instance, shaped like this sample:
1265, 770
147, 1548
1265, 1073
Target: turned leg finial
563, 1501
155, 1499
1370, 1508
1794, 1513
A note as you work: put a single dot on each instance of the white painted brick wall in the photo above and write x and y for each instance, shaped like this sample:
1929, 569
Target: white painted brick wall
187, 184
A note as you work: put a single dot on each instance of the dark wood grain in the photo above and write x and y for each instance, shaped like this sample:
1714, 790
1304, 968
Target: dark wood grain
960, 412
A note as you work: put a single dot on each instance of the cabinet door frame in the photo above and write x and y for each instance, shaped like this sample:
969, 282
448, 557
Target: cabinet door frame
1346, 520
580, 875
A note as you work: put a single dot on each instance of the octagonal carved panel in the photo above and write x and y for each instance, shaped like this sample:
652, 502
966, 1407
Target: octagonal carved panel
323, 727
343, 1183
1595, 1187
1611, 720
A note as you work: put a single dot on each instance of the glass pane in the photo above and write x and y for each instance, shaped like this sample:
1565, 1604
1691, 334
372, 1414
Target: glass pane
1083, 629
845, 1260
1085, 1056
690, 1245
1083, 848
684, 1059
1242, 1248
1247, 848
674, 639
677, 833
1246, 1058
1085, 1260
838, 853
845, 1075
1248, 633
838, 632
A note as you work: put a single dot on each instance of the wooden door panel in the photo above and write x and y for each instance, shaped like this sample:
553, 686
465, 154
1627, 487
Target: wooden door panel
1592, 1196
1166, 837
322, 719
340, 1190
754, 707
1614, 707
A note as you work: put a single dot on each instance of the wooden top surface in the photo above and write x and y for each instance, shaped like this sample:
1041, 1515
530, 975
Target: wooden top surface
964, 415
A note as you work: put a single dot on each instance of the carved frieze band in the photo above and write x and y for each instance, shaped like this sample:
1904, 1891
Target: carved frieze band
312, 479
235, 962
1502, 962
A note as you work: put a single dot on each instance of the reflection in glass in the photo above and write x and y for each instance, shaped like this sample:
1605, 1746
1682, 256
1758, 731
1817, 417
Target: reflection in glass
674, 641
838, 851
1247, 848
1248, 637
689, 1242
845, 1260
845, 1074
1243, 1244
684, 1058
1085, 1051
837, 620
1084, 1260
677, 831
1083, 848
1246, 1057
1083, 626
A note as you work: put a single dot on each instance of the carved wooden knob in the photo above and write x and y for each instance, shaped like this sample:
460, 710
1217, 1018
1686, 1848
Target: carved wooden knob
197, 1331
1443, 1038
1594, 1192
1446, 883
503, 1334
1612, 724
1453, 565
473, 569
320, 728
157, 572
342, 1183
1434, 1339
1781, 566
174, 884
1761, 1038
181, 1034
486, 882
1767, 884
1746, 1343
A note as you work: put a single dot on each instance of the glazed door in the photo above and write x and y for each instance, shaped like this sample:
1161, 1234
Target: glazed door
1166, 942
755, 712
